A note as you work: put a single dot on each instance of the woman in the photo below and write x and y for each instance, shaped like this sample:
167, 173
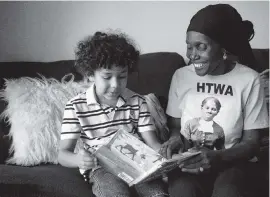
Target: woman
216, 37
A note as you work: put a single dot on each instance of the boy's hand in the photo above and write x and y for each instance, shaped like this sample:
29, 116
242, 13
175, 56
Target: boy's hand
86, 160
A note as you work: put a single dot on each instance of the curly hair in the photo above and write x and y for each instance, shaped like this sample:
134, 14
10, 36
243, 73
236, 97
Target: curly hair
104, 50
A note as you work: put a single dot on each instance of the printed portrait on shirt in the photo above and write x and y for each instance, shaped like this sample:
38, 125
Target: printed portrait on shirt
203, 130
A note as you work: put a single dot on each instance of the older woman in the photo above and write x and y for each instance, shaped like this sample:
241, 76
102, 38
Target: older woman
219, 51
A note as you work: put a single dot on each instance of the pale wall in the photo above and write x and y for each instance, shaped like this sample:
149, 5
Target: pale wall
49, 31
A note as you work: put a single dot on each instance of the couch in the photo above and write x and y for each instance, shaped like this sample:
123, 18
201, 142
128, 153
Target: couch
48, 180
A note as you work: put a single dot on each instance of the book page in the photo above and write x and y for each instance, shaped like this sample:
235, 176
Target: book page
133, 161
165, 167
128, 157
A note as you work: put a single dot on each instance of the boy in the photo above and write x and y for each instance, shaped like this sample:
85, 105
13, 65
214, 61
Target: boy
96, 115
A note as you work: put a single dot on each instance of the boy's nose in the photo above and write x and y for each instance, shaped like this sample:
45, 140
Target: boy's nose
114, 82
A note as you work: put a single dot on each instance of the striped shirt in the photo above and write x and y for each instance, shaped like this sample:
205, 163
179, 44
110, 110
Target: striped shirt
95, 124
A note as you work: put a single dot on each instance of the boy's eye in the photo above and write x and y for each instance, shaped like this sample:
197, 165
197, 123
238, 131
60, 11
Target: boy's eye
106, 77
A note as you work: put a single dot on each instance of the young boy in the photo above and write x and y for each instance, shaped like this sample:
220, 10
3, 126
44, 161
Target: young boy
96, 115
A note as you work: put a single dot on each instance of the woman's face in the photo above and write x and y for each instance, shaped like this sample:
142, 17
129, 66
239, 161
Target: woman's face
204, 53
209, 110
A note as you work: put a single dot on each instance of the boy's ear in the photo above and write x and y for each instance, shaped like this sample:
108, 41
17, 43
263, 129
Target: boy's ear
91, 78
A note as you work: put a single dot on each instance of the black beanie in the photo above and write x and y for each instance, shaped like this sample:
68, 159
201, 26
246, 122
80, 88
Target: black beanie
223, 24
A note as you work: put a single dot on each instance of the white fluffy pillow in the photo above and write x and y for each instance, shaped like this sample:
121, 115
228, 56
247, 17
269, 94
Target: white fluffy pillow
35, 110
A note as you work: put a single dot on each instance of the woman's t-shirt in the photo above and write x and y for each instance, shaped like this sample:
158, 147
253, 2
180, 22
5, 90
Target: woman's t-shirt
239, 92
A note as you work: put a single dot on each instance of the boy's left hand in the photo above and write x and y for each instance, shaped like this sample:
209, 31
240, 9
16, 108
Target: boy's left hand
201, 163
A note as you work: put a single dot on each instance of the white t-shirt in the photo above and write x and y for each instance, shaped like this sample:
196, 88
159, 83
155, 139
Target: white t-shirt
239, 92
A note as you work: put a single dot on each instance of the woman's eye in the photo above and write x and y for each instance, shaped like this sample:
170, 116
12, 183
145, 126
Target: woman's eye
202, 47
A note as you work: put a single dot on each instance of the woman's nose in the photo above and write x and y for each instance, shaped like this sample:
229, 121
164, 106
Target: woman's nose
193, 55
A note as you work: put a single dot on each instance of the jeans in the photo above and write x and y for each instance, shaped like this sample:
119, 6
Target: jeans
105, 184
228, 182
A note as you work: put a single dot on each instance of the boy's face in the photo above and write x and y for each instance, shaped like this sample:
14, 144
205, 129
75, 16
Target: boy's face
110, 83
209, 110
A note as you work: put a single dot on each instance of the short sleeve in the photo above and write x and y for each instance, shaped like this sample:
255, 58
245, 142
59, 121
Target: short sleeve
145, 121
255, 110
173, 98
71, 127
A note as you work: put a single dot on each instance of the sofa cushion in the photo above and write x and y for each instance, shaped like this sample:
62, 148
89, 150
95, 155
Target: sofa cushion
56, 70
262, 59
42, 181
35, 111
156, 71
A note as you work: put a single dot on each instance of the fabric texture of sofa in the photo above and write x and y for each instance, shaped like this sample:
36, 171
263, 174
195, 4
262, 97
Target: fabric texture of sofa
50, 180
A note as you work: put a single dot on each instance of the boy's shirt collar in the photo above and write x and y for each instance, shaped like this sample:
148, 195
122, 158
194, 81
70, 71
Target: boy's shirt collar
91, 98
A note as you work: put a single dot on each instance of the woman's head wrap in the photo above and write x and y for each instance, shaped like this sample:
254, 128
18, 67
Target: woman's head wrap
223, 24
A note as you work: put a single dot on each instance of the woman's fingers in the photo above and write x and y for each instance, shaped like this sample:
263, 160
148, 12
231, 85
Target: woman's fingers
168, 147
169, 152
192, 160
192, 171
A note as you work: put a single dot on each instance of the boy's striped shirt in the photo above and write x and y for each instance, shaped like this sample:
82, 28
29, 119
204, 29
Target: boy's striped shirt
95, 124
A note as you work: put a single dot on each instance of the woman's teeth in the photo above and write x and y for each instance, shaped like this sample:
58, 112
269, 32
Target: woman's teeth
198, 65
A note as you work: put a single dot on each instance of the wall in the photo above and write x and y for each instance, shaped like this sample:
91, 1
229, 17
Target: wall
49, 31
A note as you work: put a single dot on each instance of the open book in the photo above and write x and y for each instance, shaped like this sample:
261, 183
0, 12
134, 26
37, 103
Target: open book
133, 161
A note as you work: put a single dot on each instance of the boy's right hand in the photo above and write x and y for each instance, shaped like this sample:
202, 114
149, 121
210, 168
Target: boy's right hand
86, 160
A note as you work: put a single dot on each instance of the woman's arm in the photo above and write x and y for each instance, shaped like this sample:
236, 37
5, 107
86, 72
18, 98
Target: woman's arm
246, 149
175, 142
242, 151
174, 126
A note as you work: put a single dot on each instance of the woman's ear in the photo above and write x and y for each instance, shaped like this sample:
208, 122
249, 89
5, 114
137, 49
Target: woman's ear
230, 56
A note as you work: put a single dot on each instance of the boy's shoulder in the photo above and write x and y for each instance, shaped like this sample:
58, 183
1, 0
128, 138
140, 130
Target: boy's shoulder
78, 98
131, 96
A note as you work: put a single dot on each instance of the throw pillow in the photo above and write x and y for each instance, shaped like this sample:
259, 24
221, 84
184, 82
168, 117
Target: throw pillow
34, 111
159, 117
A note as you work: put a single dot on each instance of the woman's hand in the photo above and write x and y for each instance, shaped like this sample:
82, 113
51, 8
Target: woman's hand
167, 148
202, 163
86, 160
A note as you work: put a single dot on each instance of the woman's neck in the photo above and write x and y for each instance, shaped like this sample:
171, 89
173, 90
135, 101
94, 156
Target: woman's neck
223, 67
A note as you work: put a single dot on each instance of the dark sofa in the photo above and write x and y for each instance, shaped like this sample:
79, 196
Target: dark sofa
47, 180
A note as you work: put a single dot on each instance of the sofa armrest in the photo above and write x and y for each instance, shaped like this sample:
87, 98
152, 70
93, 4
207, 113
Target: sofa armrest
4, 147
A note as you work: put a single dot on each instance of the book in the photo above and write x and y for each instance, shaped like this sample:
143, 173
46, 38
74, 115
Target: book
133, 161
